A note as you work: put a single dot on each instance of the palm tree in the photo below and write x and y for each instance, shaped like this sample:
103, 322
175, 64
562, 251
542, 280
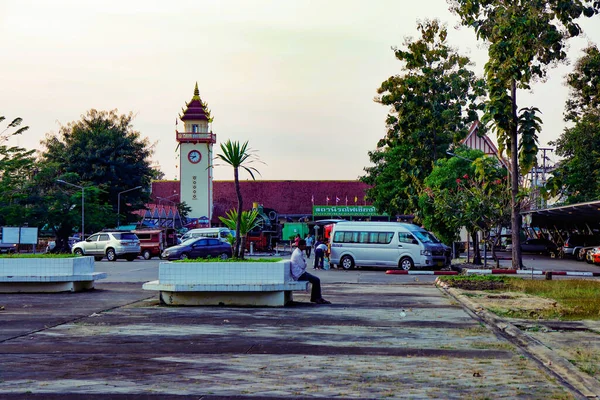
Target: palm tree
249, 221
238, 156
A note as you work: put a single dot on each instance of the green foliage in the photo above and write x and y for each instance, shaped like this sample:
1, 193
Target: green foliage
39, 255
103, 150
577, 178
218, 260
584, 83
529, 127
238, 156
432, 103
524, 38
16, 169
249, 220
462, 193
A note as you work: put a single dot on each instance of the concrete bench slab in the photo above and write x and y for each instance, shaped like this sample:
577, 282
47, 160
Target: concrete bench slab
233, 283
47, 275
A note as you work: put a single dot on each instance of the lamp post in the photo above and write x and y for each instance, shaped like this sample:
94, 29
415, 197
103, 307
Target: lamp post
170, 201
82, 204
119, 203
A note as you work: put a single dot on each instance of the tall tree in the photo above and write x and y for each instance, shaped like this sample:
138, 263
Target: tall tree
16, 169
577, 178
104, 151
524, 37
584, 84
238, 156
432, 102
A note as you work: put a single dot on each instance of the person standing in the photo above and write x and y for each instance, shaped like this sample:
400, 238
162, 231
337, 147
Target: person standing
320, 250
309, 244
298, 271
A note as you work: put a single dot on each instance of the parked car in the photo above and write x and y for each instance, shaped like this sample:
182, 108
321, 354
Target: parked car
8, 248
575, 245
199, 248
113, 245
592, 256
538, 246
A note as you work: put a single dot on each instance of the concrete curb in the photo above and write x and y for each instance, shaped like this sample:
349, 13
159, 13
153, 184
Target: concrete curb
411, 272
577, 381
527, 272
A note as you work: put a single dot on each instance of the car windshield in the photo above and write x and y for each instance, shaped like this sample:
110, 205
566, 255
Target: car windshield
426, 237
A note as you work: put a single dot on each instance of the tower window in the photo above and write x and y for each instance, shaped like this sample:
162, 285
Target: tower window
195, 128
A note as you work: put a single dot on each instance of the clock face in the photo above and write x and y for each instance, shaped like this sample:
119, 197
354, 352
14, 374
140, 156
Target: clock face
194, 156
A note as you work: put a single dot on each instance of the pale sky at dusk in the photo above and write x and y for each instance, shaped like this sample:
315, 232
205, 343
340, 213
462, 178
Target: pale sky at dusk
296, 77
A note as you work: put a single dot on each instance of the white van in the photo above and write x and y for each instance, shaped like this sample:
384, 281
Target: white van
386, 244
220, 233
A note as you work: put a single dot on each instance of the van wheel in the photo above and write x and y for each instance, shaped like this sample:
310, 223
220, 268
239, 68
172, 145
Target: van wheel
146, 254
78, 252
224, 256
111, 255
406, 263
347, 262
580, 255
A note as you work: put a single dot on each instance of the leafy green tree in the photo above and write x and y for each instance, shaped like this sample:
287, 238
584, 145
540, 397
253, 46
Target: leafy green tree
103, 150
524, 38
248, 221
584, 83
16, 169
432, 103
238, 156
577, 177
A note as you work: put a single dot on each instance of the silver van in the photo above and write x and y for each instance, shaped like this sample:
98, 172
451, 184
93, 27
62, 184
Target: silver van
219, 233
386, 244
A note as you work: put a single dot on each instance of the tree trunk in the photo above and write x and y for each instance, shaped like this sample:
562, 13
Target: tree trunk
238, 223
515, 217
242, 247
476, 252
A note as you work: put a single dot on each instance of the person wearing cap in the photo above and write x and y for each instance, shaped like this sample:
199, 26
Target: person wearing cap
298, 270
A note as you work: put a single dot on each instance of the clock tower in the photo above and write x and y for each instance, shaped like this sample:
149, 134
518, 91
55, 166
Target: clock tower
195, 159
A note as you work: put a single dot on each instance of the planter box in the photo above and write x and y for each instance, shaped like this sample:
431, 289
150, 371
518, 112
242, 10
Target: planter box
35, 275
230, 283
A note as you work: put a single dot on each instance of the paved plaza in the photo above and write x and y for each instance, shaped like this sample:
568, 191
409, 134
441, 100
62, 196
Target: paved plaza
376, 341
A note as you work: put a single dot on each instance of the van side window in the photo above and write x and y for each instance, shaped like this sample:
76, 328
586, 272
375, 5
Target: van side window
405, 237
363, 237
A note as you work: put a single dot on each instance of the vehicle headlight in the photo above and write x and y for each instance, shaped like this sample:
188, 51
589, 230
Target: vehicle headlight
425, 252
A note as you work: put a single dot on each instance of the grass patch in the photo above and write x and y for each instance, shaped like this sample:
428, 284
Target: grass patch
218, 260
38, 255
578, 298
568, 299
587, 360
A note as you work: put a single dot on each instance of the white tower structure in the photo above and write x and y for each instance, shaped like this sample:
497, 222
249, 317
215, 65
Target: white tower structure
195, 159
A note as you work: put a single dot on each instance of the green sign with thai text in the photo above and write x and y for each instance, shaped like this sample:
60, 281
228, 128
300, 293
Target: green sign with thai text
344, 211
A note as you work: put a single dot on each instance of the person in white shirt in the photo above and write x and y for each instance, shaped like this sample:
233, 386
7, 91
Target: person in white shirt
298, 270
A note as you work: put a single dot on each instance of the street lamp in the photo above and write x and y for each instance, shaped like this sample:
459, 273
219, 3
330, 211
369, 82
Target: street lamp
456, 155
170, 201
119, 203
82, 204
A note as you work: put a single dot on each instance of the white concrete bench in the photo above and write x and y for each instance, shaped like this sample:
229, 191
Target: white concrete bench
231, 283
46, 275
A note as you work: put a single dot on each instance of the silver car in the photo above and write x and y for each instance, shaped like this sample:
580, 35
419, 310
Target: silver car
113, 245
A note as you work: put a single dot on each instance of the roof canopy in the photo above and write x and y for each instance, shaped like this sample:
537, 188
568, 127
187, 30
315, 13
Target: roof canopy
568, 217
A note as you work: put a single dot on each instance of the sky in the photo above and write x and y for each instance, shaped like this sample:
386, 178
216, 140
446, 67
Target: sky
295, 78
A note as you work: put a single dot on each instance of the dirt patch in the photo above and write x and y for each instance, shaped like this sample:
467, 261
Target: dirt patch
477, 284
